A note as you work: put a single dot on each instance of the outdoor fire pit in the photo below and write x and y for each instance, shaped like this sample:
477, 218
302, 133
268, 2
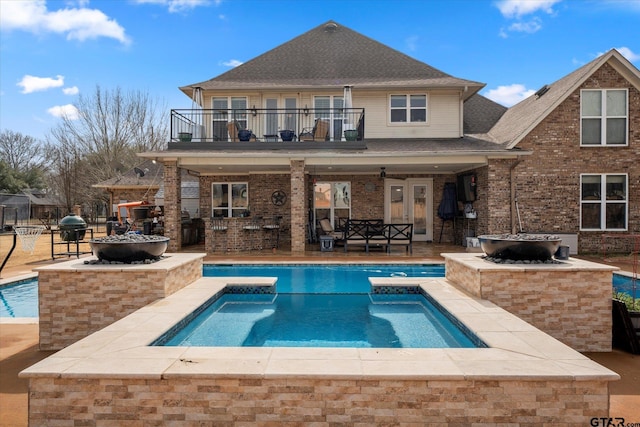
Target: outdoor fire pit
520, 247
128, 248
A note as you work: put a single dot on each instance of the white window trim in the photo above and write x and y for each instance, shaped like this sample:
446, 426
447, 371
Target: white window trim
230, 209
603, 118
408, 109
603, 202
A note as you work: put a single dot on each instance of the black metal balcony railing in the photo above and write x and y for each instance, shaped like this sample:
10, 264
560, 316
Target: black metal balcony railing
266, 125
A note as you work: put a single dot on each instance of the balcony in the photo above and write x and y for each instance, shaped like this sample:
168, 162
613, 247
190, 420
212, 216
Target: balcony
290, 128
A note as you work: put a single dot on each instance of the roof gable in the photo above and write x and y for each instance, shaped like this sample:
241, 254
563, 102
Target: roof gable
332, 55
520, 119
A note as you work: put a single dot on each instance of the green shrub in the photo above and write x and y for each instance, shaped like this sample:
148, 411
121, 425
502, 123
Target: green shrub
633, 304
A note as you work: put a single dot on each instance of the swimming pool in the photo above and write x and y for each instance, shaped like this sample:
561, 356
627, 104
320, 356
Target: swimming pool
324, 278
321, 305
625, 284
321, 320
19, 299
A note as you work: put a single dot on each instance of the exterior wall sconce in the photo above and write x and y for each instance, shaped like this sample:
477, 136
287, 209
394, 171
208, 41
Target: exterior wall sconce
383, 173
254, 112
305, 111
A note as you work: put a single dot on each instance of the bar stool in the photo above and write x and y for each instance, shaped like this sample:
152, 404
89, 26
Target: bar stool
254, 226
219, 228
272, 230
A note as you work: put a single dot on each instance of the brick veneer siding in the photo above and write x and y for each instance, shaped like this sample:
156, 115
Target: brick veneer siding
173, 205
261, 187
302, 401
299, 207
548, 182
73, 304
572, 306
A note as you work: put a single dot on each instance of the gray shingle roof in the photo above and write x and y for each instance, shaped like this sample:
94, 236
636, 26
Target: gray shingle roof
520, 119
481, 114
332, 55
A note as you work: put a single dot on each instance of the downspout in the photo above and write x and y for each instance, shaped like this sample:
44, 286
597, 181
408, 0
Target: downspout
512, 183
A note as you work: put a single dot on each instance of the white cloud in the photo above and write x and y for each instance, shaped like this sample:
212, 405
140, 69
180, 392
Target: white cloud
69, 111
76, 23
177, 6
627, 53
526, 27
509, 95
31, 84
232, 63
519, 8
71, 90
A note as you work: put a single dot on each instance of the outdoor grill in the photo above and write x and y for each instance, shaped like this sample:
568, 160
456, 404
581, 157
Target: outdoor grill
72, 227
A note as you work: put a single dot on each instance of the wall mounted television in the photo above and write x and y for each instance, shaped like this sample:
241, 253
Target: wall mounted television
466, 188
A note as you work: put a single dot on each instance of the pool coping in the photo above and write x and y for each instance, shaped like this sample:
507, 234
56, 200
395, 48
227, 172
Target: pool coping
517, 350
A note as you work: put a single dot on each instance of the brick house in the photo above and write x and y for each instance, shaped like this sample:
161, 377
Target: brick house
335, 125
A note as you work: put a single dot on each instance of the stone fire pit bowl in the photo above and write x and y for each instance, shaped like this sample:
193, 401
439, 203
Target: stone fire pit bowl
520, 247
128, 248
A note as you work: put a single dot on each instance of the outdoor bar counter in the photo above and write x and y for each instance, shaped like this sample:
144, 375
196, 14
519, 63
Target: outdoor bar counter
238, 234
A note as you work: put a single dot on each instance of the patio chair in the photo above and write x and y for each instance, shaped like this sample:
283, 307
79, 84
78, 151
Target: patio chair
319, 132
327, 230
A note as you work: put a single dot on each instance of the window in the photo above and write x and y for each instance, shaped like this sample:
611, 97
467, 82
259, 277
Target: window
229, 199
408, 108
224, 114
603, 202
332, 200
603, 117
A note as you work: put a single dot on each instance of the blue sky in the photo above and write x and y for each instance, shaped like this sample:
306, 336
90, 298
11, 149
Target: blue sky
52, 51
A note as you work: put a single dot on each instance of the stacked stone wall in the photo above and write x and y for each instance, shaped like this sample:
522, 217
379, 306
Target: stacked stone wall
73, 304
314, 401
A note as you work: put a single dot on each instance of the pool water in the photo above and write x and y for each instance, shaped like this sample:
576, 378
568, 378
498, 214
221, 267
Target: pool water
19, 299
321, 320
324, 278
321, 306
625, 284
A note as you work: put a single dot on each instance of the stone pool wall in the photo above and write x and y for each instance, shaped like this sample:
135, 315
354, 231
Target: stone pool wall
524, 377
570, 301
302, 401
77, 299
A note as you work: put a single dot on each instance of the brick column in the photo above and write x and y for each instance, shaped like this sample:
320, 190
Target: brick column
298, 211
498, 197
172, 205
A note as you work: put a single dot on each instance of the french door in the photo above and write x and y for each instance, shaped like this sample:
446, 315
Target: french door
410, 201
275, 122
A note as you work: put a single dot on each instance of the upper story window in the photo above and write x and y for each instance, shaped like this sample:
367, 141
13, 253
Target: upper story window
604, 115
603, 202
408, 108
229, 199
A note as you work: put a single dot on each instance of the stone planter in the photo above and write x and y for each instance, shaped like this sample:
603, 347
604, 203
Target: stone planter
351, 135
244, 135
184, 136
287, 135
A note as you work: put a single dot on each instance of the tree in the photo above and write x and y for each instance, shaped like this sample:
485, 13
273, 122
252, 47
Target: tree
23, 162
111, 128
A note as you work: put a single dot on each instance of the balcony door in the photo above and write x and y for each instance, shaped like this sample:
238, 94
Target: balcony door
275, 122
410, 201
226, 110
330, 108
